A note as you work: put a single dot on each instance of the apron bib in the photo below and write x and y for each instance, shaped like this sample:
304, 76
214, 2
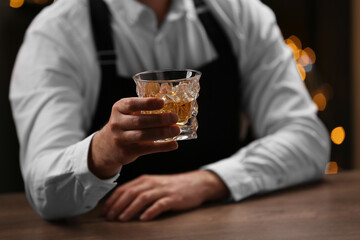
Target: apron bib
219, 100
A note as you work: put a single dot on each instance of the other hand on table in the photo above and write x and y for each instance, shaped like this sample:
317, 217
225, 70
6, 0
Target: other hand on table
151, 195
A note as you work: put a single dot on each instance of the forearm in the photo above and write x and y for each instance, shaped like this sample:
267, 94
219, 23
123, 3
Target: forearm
297, 153
59, 184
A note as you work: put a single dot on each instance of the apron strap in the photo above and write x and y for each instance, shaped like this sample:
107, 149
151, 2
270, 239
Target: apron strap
101, 27
215, 32
100, 19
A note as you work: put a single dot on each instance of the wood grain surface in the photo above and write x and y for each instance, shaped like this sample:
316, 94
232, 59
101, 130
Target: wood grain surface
327, 209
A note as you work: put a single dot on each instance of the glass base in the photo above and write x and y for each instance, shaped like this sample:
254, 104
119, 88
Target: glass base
186, 133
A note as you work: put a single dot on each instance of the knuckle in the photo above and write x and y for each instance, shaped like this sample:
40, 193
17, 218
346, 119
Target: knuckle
118, 191
126, 103
116, 107
138, 135
162, 204
118, 141
144, 177
149, 179
137, 122
179, 199
113, 125
131, 192
144, 197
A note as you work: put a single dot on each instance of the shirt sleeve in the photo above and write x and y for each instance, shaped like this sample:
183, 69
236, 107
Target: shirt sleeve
48, 98
292, 145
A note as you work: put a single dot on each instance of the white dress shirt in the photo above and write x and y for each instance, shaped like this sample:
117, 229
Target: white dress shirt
56, 79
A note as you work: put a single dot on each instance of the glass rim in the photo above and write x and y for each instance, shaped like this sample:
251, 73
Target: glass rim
136, 77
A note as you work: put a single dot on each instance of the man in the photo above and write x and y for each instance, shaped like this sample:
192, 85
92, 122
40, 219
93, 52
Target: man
80, 129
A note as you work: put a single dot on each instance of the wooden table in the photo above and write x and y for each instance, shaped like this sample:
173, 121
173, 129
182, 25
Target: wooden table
328, 209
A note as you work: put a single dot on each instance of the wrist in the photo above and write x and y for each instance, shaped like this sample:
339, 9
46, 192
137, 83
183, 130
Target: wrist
98, 164
215, 188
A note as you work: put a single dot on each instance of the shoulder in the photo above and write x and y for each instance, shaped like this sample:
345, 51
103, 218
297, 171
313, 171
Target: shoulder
60, 17
234, 7
64, 28
243, 15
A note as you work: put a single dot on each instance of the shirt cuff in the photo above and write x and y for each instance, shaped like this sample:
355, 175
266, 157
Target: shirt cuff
235, 177
93, 186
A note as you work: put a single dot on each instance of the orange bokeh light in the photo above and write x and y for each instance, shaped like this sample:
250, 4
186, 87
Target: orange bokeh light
302, 71
16, 3
294, 49
304, 58
311, 54
332, 168
338, 135
320, 100
296, 41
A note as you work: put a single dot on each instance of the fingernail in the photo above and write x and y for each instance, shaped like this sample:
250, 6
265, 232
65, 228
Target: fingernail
123, 217
143, 217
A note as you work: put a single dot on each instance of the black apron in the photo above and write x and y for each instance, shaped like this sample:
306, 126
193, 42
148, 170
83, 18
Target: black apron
218, 117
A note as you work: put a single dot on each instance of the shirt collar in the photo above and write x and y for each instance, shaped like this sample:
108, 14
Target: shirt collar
133, 10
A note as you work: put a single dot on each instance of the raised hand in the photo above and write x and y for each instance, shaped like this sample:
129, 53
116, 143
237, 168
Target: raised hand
130, 134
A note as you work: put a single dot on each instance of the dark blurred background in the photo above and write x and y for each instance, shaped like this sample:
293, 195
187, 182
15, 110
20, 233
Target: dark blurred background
320, 32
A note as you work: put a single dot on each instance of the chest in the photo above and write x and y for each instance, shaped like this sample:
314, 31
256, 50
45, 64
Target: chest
176, 44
